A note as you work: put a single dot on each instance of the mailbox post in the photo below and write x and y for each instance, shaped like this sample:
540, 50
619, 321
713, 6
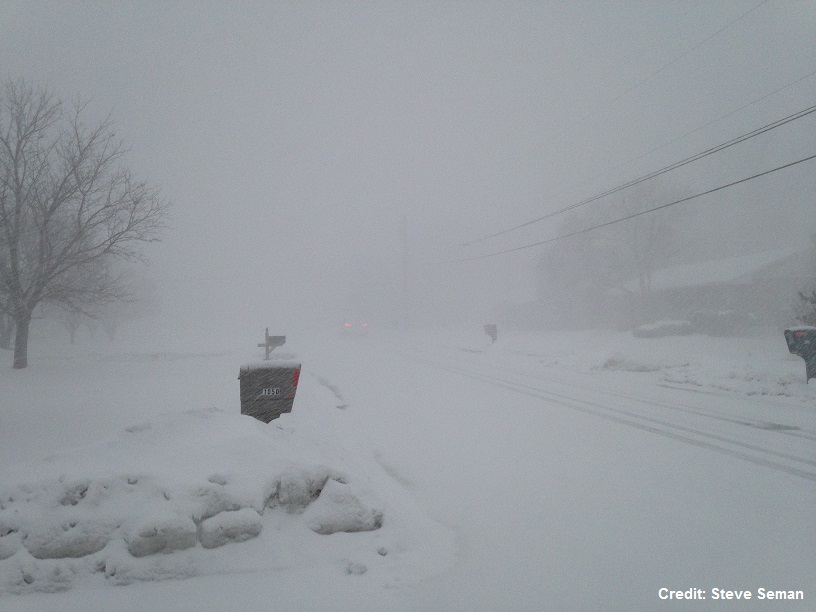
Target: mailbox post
270, 342
492, 331
802, 341
268, 388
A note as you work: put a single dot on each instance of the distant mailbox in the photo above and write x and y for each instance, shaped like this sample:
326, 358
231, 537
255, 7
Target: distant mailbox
802, 341
271, 342
268, 388
492, 331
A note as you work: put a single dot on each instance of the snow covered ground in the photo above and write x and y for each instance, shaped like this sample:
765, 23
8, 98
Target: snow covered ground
436, 471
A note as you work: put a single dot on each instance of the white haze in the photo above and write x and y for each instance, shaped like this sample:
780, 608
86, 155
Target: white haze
330, 159
295, 139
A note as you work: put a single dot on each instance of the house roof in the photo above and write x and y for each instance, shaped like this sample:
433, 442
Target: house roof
747, 269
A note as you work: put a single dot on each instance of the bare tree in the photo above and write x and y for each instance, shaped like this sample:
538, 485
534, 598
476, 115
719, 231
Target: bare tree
141, 302
805, 308
6, 328
92, 289
581, 274
6, 321
643, 244
71, 320
67, 206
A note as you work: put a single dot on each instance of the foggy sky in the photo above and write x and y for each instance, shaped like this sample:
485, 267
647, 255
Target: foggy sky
294, 138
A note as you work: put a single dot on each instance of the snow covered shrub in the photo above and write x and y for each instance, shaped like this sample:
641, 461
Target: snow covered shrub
231, 526
157, 534
342, 508
662, 329
299, 486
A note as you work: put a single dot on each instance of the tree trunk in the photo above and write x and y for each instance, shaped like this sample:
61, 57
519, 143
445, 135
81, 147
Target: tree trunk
110, 330
21, 342
6, 331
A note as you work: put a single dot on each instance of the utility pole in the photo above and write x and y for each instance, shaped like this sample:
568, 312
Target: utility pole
405, 293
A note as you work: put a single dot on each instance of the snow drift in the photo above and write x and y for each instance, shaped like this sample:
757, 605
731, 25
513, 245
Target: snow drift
153, 503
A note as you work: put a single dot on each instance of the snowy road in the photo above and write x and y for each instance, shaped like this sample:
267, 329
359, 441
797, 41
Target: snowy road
570, 490
739, 430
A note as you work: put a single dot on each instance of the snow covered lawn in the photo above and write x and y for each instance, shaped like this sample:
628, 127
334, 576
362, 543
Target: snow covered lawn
188, 488
414, 473
755, 365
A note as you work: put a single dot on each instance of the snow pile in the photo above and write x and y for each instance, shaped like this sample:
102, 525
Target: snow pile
741, 379
339, 508
759, 365
622, 364
662, 329
160, 500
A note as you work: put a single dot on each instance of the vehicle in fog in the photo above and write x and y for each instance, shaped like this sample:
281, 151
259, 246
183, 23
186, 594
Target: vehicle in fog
354, 327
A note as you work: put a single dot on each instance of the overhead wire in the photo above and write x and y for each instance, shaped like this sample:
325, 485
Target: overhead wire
651, 175
635, 86
670, 63
705, 125
638, 214
671, 167
642, 155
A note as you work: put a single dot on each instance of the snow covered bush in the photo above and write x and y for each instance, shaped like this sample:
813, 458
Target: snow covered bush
341, 508
662, 329
151, 504
226, 527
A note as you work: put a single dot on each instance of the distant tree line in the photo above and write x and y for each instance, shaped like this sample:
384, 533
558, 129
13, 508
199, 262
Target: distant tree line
576, 274
605, 277
69, 210
806, 308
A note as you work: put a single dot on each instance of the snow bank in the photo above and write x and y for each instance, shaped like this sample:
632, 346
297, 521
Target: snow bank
160, 500
760, 365
229, 526
340, 508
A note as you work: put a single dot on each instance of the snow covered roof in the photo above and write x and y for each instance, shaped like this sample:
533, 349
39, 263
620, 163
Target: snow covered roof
733, 270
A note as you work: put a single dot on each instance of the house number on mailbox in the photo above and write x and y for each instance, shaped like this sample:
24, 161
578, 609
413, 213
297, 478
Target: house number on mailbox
271, 391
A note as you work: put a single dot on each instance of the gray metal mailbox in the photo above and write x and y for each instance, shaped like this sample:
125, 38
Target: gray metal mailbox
802, 341
268, 388
492, 331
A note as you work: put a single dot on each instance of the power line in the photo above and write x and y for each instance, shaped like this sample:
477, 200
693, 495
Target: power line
664, 66
638, 214
664, 170
695, 47
697, 129
638, 84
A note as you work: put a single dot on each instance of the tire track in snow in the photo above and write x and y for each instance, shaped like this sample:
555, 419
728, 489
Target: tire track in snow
758, 455
788, 430
335, 391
